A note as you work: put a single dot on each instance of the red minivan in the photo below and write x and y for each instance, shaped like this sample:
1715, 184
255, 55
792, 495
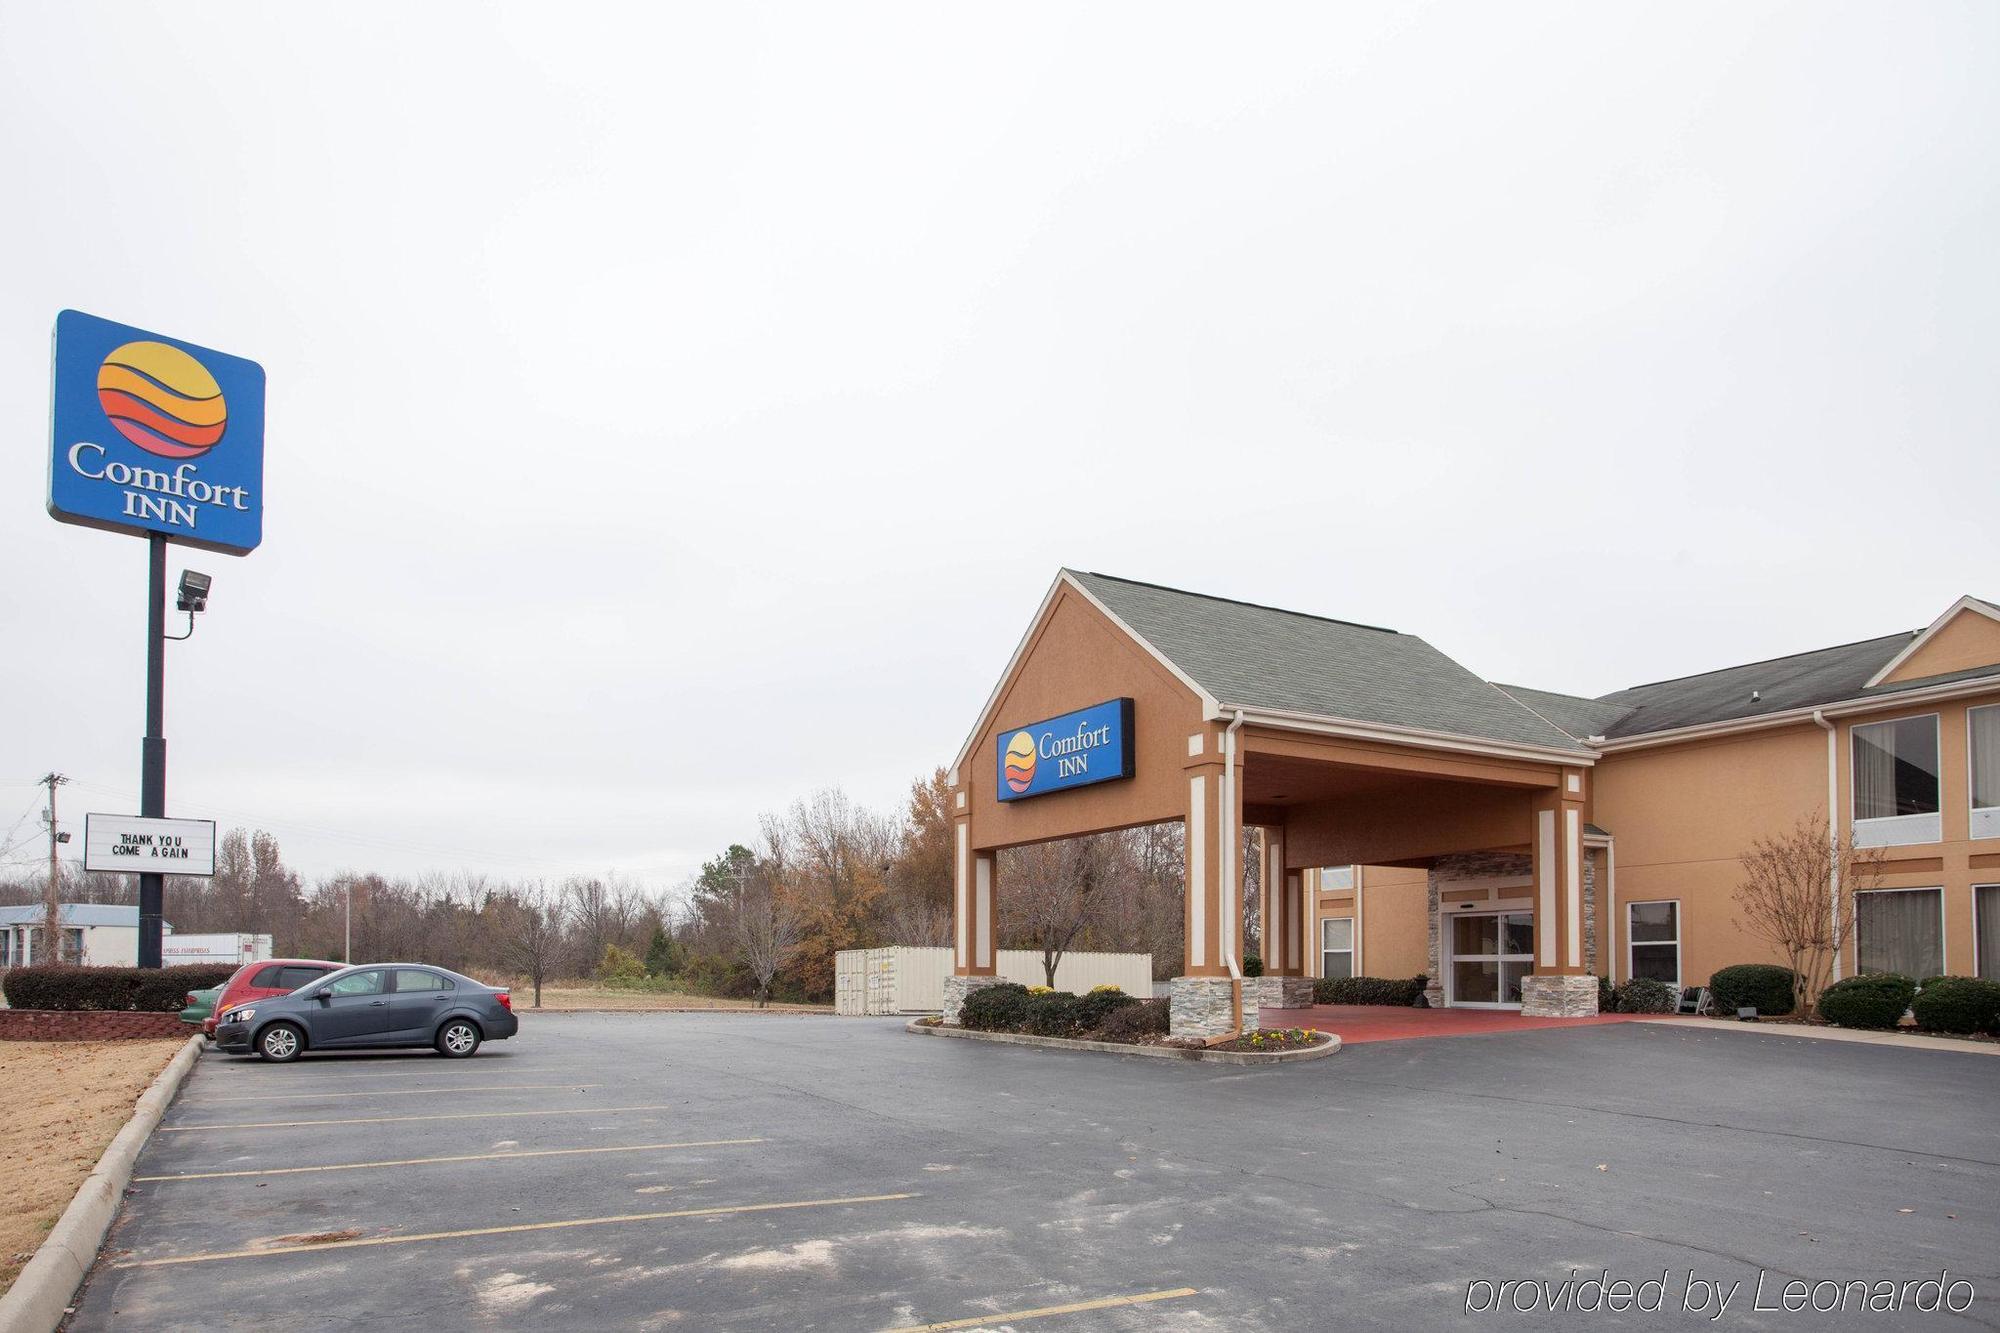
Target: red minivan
273, 976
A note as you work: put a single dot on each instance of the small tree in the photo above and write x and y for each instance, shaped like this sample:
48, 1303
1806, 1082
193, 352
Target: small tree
765, 927
1052, 892
532, 937
663, 954
1786, 899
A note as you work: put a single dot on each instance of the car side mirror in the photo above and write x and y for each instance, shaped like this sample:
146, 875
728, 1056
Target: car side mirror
323, 997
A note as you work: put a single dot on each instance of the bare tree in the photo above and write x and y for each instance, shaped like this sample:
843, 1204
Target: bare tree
532, 934
1787, 899
765, 926
1052, 892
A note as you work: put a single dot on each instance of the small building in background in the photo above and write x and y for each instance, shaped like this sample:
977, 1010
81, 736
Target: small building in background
102, 935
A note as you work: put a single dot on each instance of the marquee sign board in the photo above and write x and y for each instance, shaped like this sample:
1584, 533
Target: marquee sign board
135, 845
149, 434
1077, 749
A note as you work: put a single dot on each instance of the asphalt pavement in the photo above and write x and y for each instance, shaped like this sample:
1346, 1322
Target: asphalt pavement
744, 1171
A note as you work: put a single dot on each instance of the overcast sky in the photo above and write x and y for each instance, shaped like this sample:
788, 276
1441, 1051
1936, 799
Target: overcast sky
674, 409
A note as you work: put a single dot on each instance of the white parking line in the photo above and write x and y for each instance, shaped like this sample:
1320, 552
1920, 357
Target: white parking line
401, 1092
517, 1229
466, 1157
399, 1119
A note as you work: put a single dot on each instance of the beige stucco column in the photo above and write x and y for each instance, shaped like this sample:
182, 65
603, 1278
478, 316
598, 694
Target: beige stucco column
974, 918
1284, 911
1204, 1000
1561, 985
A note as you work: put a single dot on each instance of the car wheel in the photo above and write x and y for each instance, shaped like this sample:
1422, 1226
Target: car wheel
280, 1043
457, 1039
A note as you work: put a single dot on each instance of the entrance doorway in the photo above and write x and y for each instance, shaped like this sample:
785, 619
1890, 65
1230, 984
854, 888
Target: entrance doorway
1490, 953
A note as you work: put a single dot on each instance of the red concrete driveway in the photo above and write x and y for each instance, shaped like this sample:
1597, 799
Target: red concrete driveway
1381, 1022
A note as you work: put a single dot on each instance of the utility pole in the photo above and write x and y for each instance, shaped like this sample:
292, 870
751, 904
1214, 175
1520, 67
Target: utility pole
52, 903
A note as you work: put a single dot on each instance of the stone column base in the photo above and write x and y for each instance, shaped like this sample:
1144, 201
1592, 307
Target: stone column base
1558, 996
1260, 993
1203, 1006
956, 988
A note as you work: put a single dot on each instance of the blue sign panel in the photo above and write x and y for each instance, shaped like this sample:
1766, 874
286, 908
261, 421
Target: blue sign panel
1090, 745
152, 434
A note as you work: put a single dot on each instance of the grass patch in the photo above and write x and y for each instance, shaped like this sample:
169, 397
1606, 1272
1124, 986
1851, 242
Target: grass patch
608, 997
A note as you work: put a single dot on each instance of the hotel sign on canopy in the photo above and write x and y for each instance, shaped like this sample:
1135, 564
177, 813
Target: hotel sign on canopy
1076, 749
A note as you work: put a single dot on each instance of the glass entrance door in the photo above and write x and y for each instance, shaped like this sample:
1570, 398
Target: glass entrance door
1490, 953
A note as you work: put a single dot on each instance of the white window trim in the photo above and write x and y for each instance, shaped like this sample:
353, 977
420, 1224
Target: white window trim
1975, 924
1981, 821
1353, 938
1944, 943
1679, 970
1896, 830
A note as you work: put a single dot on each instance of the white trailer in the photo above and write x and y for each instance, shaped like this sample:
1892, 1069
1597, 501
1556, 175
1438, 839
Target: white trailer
176, 950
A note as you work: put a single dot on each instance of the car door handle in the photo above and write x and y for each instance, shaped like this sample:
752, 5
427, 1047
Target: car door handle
376, 1004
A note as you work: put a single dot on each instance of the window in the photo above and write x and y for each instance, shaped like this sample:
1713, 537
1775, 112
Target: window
358, 983
1899, 930
6, 948
1336, 946
1982, 726
1336, 879
1986, 929
424, 981
73, 944
291, 978
1896, 782
269, 979
1653, 941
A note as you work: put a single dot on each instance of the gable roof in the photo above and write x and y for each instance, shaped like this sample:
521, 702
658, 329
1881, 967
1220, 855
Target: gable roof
1976, 605
1260, 658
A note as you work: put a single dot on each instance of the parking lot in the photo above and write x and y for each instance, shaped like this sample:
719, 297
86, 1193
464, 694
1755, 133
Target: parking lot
803, 1172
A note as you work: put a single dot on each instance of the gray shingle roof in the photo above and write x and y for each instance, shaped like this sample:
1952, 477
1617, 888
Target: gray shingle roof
1803, 680
1250, 656
1580, 717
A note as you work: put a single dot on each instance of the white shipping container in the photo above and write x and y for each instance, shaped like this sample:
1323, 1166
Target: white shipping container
908, 979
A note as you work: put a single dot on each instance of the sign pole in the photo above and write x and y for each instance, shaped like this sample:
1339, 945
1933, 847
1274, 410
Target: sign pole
153, 749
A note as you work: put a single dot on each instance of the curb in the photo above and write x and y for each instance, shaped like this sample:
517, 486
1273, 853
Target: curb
39, 1298
1120, 1048
1908, 1041
685, 1009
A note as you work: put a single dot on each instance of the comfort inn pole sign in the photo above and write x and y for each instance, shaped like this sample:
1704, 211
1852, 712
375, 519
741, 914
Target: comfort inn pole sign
1075, 750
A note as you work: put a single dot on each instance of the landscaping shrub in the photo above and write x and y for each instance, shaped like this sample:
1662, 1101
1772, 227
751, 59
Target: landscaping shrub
1092, 1009
1369, 990
1767, 987
1607, 996
1253, 965
1057, 1014
998, 1008
150, 990
1959, 1004
1132, 1022
1643, 995
1872, 1000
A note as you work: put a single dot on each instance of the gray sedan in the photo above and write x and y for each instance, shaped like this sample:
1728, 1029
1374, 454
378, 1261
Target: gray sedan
377, 1004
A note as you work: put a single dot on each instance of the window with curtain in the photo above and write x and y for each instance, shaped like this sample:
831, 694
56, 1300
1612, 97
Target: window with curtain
1896, 777
1336, 946
1899, 930
1653, 935
1986, 925
1983, 735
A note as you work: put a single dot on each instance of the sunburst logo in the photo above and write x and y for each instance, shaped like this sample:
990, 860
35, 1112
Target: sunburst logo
1020, 761
162, 400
